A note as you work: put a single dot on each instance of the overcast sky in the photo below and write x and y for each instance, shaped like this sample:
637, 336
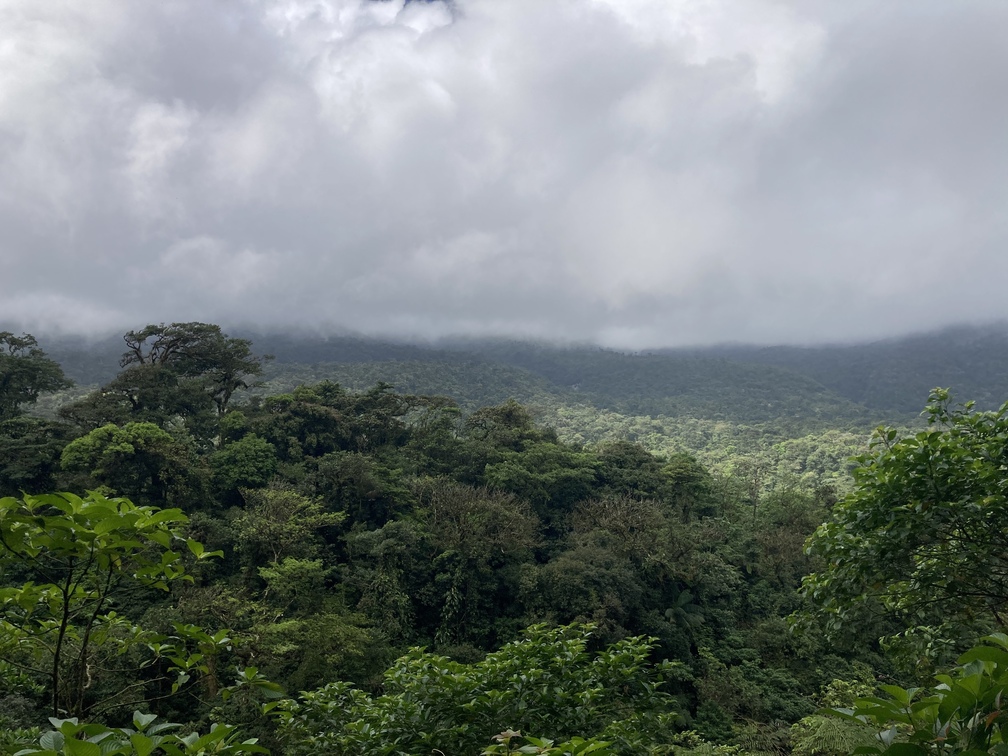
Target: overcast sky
629, 172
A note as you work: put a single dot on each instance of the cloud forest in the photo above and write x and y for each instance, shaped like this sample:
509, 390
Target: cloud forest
324, 569
477, 377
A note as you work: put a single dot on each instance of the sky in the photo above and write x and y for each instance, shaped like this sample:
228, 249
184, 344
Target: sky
633, 173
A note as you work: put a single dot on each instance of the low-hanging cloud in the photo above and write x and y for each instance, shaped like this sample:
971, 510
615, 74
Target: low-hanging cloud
632, 172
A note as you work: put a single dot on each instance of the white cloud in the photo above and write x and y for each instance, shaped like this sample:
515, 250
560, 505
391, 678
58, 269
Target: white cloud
635, 171
210, 266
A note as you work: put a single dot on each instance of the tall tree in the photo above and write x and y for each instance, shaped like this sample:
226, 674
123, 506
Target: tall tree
201, 351
29, 447
25, 373
170, 372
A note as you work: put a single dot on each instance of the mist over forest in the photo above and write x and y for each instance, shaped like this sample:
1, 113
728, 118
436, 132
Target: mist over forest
383, 525
466, 377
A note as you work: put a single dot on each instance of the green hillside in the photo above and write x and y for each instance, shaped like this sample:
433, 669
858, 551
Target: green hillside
799, 411
710, 417
846, 384
685, 386
336, 515
894, 374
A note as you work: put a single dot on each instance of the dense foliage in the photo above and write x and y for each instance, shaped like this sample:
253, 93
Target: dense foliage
546, 683
962, 713
922, 539
384, 552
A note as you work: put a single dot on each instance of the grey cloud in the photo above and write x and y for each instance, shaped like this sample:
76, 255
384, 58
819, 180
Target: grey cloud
635, 172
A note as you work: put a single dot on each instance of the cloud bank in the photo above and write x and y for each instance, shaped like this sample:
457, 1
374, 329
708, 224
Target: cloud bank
631, 172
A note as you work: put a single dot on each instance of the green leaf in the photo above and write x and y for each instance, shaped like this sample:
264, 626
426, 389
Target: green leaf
141, 744
899, 694
141, 720
74, 747
905, 749
52, 740
986, 653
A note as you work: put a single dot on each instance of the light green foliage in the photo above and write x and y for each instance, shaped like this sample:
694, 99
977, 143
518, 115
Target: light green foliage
303, 632
820, 735
299, 629
60, 627
807, 456
961, 714
511, 741
922, 536
138, 459
247, 462
546, 683
147, 736
278, 523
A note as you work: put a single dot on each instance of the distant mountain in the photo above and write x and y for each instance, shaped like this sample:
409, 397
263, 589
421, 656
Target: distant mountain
896, 374
86, 361
680, 385
843, 385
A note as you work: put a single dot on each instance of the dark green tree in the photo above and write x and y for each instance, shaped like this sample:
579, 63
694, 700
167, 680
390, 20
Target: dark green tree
30, 451
180, 371
29, 447
146, 394
313, 421
550, 475
25, 373
477, 535
201, 351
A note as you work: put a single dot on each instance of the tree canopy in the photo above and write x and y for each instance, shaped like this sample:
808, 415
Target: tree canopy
222, 364
358, 527
25, 373
923, 537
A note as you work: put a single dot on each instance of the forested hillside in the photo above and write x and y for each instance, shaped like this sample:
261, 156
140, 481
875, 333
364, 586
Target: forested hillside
889, 375
603, 551
834, 384
790, 413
